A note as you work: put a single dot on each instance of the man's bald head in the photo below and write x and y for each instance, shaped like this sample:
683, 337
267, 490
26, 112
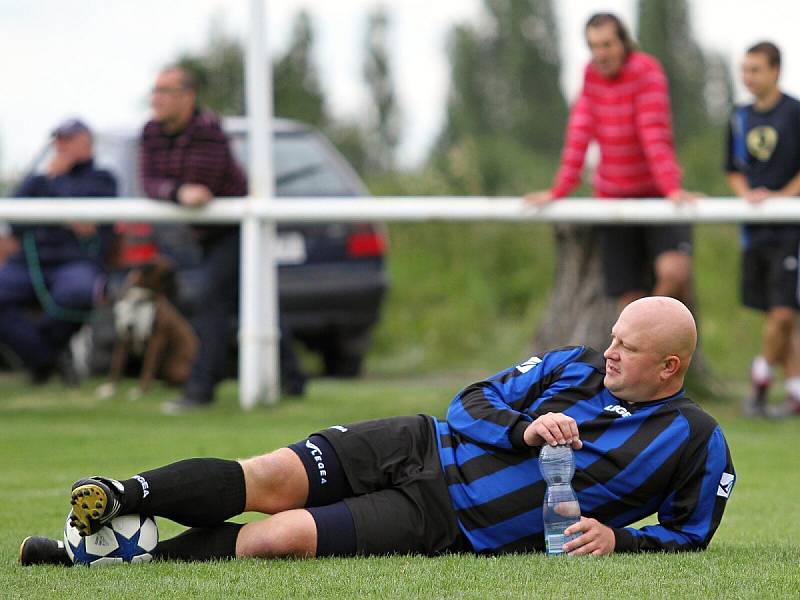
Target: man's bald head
669, 325
652, 344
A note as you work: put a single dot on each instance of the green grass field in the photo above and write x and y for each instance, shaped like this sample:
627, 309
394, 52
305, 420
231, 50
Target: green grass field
49, 437
449, 320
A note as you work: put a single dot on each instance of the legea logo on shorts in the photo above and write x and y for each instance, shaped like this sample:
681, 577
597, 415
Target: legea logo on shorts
145, 486
316, 454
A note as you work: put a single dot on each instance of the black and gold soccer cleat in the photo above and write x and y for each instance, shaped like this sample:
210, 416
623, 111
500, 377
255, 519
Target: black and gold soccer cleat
95, 501
37, 550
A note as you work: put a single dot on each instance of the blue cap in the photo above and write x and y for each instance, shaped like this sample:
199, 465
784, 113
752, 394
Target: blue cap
69, 128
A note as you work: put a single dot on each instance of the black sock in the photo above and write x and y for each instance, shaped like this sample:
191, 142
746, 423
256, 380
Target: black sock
201, 543
198, 492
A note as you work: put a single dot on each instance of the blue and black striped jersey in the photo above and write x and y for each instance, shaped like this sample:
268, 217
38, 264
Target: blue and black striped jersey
664, 456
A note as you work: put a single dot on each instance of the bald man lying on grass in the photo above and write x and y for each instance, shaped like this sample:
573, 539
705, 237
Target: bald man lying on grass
470, 482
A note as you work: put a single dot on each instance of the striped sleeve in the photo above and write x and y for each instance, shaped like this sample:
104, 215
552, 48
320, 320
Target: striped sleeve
200, 155
690, 515
580, 130
493, 412
156, 185
654, 128
210, 161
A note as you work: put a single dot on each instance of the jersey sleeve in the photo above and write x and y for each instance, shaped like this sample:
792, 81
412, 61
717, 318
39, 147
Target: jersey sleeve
493, 411
155, 185
737, 156
580, 130
214, 150
654, 129
690, 515
31, 187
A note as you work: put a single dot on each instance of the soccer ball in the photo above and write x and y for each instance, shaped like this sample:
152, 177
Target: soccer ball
125, 539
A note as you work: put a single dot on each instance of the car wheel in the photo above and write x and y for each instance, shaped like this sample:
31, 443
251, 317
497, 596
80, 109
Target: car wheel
343, 353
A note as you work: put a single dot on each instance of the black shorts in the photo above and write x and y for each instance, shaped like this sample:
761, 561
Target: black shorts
400, 502
770, 275
629, 252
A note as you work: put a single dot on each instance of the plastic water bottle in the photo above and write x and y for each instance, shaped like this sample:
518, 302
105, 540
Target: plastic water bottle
561, 508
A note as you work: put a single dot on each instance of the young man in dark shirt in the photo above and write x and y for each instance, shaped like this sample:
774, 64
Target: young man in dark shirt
470, 482
60, 268
763, 160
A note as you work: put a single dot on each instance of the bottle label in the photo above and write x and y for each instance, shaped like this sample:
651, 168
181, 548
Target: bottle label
555, 543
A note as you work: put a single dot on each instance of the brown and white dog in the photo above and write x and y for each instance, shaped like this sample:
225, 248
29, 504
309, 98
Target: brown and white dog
148, 325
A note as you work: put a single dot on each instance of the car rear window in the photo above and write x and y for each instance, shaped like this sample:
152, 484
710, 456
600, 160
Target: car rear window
303, 166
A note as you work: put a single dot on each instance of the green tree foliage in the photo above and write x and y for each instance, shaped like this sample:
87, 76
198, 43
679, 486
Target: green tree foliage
505, 76
298, 93
466, 106
506, 101
665, 32
220, 75
220, 72
350, 140
701, 155
296, 86
719, 88
701, 90
385, 129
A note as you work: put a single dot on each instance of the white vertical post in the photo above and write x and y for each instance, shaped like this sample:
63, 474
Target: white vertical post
258, 324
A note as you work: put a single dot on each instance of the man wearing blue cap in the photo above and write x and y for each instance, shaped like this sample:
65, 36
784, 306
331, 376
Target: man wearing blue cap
58, 268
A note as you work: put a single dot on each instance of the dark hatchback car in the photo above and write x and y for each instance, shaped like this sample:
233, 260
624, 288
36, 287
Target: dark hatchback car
332, 276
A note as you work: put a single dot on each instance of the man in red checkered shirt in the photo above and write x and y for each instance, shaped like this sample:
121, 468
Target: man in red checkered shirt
624, 107
185, 158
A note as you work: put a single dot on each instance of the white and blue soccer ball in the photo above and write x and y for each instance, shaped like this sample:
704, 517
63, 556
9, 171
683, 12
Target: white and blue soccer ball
125, 539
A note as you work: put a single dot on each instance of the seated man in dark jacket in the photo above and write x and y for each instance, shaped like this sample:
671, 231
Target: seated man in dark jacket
58, 268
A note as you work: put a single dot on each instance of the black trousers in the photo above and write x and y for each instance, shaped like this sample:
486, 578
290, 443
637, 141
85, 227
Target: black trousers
219, 305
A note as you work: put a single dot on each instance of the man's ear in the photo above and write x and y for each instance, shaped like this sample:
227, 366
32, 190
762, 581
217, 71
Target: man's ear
672, 364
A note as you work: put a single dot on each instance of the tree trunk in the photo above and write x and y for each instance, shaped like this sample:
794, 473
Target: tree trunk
579, 312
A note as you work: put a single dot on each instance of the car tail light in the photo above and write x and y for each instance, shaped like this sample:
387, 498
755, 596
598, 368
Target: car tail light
137, 244
365, 243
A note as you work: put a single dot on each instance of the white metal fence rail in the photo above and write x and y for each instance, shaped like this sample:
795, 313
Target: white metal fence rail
401, 208
258, 343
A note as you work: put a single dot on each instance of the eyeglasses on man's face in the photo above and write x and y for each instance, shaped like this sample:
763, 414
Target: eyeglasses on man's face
166, 91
